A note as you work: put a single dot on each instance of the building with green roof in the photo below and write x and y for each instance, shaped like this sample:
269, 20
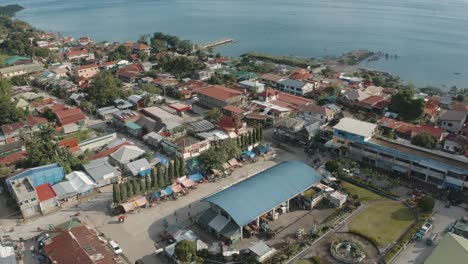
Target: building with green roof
451, 249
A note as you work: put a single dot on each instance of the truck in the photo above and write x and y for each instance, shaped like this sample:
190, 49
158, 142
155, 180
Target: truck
423, 231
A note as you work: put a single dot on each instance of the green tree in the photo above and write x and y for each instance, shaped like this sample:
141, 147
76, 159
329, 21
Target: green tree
116, 193
424, 140
122, 52
378, 80
105, 88
332, 166
185, 47
154, 179
249, 138
182, 167
130, 191
170, 171
426, 204
9, 113
19, 80
406, 105
214, 115
49, 114
4, 170
261, 133
231, 148
143, 184
180, 66
176, 167
160, 176
136, 186
123, 192
212, 159
185, 251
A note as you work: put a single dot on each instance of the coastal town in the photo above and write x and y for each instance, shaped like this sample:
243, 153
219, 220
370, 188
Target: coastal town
160, 150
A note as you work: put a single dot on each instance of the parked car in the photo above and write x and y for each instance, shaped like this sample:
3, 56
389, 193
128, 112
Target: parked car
347, 171
115, 247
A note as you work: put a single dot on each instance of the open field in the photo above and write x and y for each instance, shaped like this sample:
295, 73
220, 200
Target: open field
363, 194
382, 221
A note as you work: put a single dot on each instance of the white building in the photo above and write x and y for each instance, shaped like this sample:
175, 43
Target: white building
295, 87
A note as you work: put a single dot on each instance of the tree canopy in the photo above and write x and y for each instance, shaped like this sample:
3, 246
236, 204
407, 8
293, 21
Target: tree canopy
185, 251
105, 88
161, 42
406, 105
180, 66
122, 52
214, 115
424, 140
222, 79
9, 113
426, 204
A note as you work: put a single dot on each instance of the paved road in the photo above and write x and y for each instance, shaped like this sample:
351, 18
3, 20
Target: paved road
417, 252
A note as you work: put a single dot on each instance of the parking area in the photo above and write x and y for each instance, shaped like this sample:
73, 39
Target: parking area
417, 252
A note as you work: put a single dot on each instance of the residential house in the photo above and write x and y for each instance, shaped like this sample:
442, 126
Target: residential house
106, 113
77, 98
47, 197
12, 153
456, 144
355, 95
180, 108
295, 87
10, 132
190, 87
374, 90
71, 119
102, 172
300, 74
140, 167
252, 86
122, 104
452, 121
138, 48
315, 112
161, 116
374, 103
271, 80
18, 70
87, 71
78, 53
78, 244
185, 147
136, 100
25, 196
125, 154
219, 96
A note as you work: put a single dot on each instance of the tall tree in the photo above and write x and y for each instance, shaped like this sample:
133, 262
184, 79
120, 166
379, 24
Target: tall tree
424, 140
406, 105
182, 167
160, 176
136, 186
176, 167
105, 88
214, 115
130, 191
170, 171
261, 133
116, 193
122, 52
123, 192
142, 184
8, 113
154, 179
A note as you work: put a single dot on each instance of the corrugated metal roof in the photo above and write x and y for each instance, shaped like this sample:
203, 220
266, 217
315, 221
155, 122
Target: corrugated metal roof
260, 193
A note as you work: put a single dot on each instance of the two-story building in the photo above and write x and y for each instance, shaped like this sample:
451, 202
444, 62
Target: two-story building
453, 121
357, 140
219, 96
271, 80
87, 71
312, 112
295, 87
22, 69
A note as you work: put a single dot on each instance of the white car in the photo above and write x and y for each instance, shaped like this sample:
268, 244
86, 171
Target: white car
347, 171
115, 247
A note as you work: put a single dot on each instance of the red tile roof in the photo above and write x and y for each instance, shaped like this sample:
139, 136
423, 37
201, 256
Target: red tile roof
460, 107
89, 66
180, 107
300, 74
76, 52
69, 116
292, 100
45, 192
109, 151
72, 144
13, 158
78, 245
9, 128
234, 109
30, 121
382, 104
372, 100
140, 46
435, 131
219, 92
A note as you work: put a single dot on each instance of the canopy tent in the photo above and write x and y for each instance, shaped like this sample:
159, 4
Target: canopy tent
156, 195
186, 182
249, 153
177, 188
262, 149
168, 190
134, 203
234, 163
197, 177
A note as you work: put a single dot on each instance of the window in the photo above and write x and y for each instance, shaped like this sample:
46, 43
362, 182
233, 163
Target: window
33, 199
402, 160
449, 124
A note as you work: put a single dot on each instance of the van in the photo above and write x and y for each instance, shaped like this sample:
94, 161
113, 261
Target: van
115, 247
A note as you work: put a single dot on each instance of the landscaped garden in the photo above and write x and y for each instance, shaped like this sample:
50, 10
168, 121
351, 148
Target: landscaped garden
364, 195
382, 221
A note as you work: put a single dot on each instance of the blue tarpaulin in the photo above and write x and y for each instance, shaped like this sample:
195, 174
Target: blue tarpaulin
156, 195
197, 177
161, 157
168, 190
249, 153
263, 149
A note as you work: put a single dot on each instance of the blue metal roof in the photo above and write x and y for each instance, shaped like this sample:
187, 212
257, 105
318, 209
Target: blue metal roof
51, 173
260, 193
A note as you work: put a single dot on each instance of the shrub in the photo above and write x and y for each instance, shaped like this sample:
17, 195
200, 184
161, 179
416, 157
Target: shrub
316, 260
426, 204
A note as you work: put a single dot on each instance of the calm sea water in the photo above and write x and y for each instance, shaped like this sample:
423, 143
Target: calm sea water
429, 36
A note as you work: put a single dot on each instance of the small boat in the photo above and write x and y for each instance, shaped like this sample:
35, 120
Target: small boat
456, 73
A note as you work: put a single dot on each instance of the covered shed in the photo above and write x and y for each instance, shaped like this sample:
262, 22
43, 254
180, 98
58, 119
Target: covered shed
247, 200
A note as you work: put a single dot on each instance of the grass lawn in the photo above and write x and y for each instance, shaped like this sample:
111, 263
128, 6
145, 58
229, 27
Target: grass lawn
82, 135
384, 221
3, 57
363, 194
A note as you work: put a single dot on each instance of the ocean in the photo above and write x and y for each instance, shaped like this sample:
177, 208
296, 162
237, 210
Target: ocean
430, 37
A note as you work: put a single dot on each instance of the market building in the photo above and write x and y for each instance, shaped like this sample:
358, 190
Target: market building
245, 202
